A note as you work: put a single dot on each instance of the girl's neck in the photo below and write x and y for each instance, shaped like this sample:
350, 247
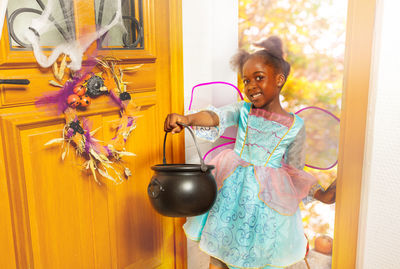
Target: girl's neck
275, 107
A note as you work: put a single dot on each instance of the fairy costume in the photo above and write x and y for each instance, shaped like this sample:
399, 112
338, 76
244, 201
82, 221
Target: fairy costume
255, 221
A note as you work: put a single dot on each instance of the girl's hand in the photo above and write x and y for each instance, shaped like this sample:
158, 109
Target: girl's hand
172, 122
328, 196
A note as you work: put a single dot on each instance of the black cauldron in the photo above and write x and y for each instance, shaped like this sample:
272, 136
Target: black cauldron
182, 190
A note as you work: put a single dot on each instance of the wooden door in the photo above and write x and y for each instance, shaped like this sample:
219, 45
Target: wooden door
53, 214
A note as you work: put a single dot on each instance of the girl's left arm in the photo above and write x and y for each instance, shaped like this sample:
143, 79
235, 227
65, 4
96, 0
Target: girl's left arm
296, 157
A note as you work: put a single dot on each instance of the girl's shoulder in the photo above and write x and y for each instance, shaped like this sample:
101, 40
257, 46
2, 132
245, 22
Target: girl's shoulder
298, 119
298, 125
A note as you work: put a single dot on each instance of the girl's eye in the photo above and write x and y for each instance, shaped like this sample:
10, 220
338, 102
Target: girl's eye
258, 78
246, 81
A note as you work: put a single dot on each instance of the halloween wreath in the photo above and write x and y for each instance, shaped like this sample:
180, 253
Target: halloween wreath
76, 93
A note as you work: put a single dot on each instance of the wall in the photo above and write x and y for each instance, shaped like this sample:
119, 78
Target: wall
210, 38
379, 238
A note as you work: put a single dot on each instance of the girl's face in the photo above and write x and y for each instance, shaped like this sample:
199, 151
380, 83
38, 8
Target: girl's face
261, 83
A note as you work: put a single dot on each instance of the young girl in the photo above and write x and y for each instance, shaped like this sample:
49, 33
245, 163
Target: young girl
255, 221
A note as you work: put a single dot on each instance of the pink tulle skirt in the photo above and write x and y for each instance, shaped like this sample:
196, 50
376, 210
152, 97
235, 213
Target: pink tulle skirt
282, 189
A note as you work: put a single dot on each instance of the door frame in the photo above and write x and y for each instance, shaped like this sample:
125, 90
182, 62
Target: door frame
177, 104
356, 84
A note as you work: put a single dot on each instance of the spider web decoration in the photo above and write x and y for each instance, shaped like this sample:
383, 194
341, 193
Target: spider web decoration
62, 19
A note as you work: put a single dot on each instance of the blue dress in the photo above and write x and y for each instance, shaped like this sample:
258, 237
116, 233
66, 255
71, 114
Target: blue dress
255, 221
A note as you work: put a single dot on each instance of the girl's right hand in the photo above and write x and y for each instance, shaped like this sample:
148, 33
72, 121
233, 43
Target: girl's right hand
172, 121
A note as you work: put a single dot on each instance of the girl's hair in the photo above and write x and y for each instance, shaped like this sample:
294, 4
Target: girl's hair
272, 53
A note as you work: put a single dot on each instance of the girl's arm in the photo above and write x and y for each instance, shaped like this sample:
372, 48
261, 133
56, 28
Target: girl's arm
328, 196
296, 157
202, 118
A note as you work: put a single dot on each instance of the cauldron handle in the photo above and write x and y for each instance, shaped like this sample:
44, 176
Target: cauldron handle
203, 166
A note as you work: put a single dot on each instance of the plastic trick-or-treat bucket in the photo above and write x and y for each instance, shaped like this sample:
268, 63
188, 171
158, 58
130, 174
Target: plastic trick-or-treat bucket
182, 190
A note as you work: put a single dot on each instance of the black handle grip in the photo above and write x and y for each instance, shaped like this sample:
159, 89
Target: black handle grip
15, 81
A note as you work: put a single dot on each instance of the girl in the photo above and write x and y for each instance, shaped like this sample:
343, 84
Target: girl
255, 221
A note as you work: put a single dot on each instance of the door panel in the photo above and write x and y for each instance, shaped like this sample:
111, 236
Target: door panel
53, 213
139, 231
6, 227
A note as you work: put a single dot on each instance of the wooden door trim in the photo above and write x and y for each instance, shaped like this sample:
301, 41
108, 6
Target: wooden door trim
359, 40
17, 191
177, 101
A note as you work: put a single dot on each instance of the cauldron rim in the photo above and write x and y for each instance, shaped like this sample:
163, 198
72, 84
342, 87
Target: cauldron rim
185, 167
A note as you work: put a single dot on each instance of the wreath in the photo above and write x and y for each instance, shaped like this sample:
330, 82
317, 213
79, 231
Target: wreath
76, 93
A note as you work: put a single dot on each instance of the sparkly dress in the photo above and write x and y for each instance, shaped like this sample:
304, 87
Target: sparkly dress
255, 221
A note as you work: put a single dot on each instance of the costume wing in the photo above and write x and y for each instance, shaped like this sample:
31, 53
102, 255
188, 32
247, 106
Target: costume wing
322, 137
322, 127
217, 94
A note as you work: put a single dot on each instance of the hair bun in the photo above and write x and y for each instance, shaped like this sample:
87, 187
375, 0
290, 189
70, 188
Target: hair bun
273, 45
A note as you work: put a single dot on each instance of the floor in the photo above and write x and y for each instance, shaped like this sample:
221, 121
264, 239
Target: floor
315, 260
199, 260
196, 258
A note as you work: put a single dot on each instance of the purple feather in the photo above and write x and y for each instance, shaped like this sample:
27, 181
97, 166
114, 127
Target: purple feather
90, 141
130, 122
86, 125
70, 133
57, 100
109, 152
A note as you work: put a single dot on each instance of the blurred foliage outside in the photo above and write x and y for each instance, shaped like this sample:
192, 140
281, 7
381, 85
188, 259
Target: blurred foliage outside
313, 34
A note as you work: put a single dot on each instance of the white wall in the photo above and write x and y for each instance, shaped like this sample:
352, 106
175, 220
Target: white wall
210, 38
379, 235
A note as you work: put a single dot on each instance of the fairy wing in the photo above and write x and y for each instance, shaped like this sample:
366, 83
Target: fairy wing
322, 137
216, 94
322, 127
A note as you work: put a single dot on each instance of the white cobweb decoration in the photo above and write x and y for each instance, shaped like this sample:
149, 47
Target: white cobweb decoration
74, 48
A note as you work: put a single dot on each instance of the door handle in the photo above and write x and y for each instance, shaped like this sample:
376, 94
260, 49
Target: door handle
15, 81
